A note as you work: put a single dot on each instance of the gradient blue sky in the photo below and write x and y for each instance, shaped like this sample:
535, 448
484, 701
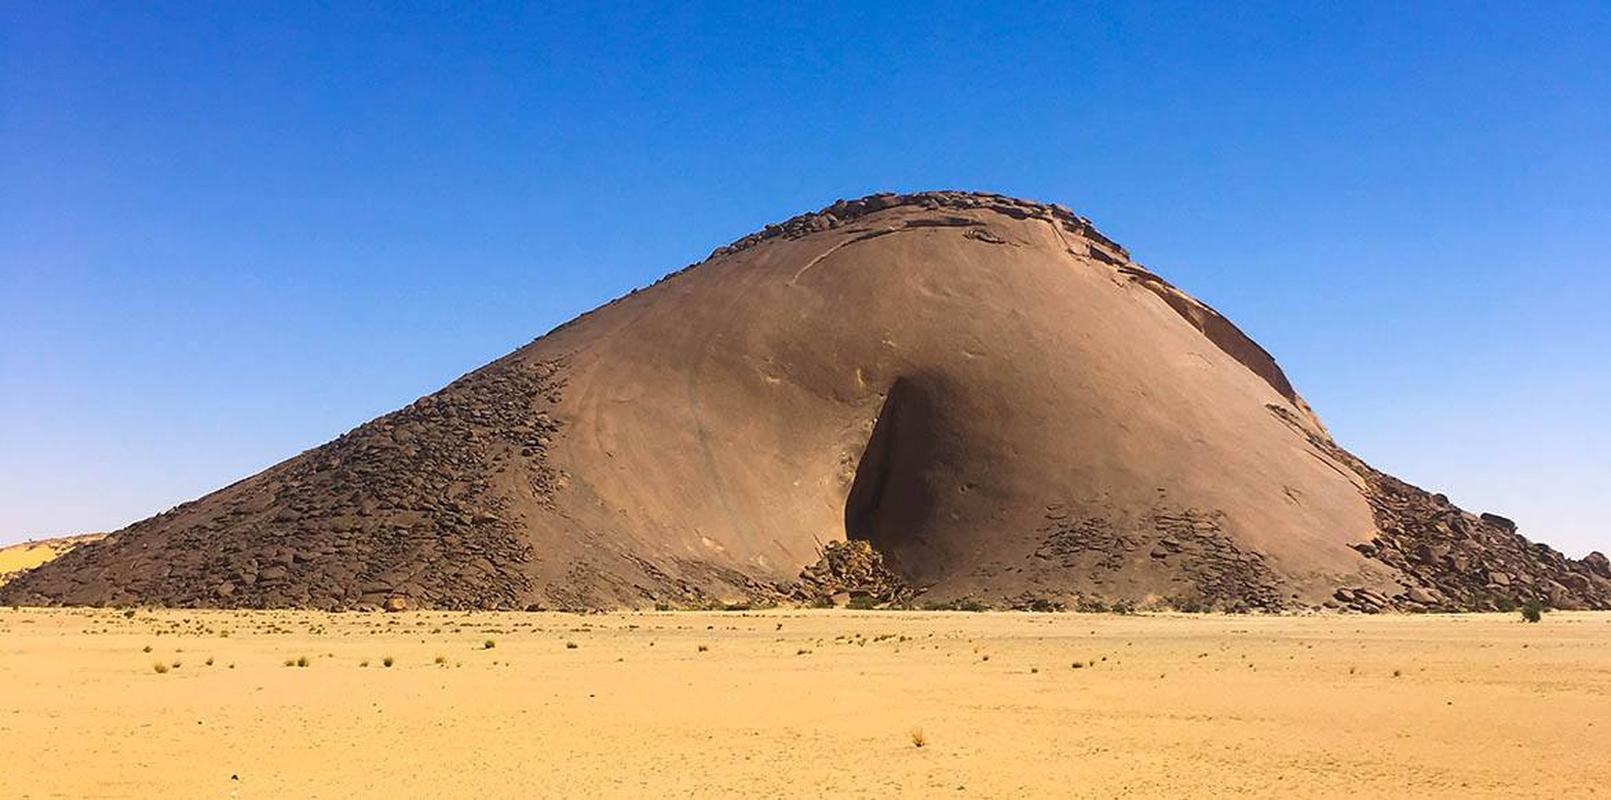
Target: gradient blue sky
229, 232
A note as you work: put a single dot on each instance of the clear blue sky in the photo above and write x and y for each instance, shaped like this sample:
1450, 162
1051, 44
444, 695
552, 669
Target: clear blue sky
229, 232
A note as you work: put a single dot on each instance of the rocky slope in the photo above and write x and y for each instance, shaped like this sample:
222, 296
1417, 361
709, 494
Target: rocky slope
985, 396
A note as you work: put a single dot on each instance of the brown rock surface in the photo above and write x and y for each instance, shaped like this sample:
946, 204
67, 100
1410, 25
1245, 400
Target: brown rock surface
986, 391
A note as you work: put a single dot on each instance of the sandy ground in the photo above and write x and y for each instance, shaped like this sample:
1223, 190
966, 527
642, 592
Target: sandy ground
797, 703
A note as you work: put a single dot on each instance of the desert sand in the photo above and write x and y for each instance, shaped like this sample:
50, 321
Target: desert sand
18, 558
801, 703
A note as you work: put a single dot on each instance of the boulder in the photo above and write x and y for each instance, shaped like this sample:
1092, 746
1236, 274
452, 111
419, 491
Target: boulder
1598, 564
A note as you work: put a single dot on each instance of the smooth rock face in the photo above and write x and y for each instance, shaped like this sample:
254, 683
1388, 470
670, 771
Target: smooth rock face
985, 391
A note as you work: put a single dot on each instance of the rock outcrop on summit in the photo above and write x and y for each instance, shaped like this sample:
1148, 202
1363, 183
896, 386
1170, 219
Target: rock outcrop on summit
986, 397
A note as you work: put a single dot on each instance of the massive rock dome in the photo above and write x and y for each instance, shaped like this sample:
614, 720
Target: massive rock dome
984, 395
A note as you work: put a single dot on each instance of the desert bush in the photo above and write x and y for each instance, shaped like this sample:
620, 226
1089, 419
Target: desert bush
488, 644
704, 648
1533, 610
918, 739
1038, 604
965, 604
160, 668
387, 661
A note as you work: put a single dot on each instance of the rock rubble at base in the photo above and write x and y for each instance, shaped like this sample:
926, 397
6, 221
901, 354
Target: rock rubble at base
1453, 560
847, 571
398, 513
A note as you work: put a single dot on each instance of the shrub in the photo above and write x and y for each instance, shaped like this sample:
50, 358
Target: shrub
965, 604
571, 645
1532, 610
441, 659
488, 644
918, 739
387, 661
301, 661
704, 647
160, 668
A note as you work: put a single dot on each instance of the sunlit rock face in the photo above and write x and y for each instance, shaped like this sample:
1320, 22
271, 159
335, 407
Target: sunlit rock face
990, 394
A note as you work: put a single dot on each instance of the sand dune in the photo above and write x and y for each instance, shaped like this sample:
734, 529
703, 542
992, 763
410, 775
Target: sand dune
24, 556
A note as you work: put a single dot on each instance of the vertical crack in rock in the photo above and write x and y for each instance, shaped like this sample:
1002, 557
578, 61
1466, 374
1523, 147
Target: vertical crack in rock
890, 504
